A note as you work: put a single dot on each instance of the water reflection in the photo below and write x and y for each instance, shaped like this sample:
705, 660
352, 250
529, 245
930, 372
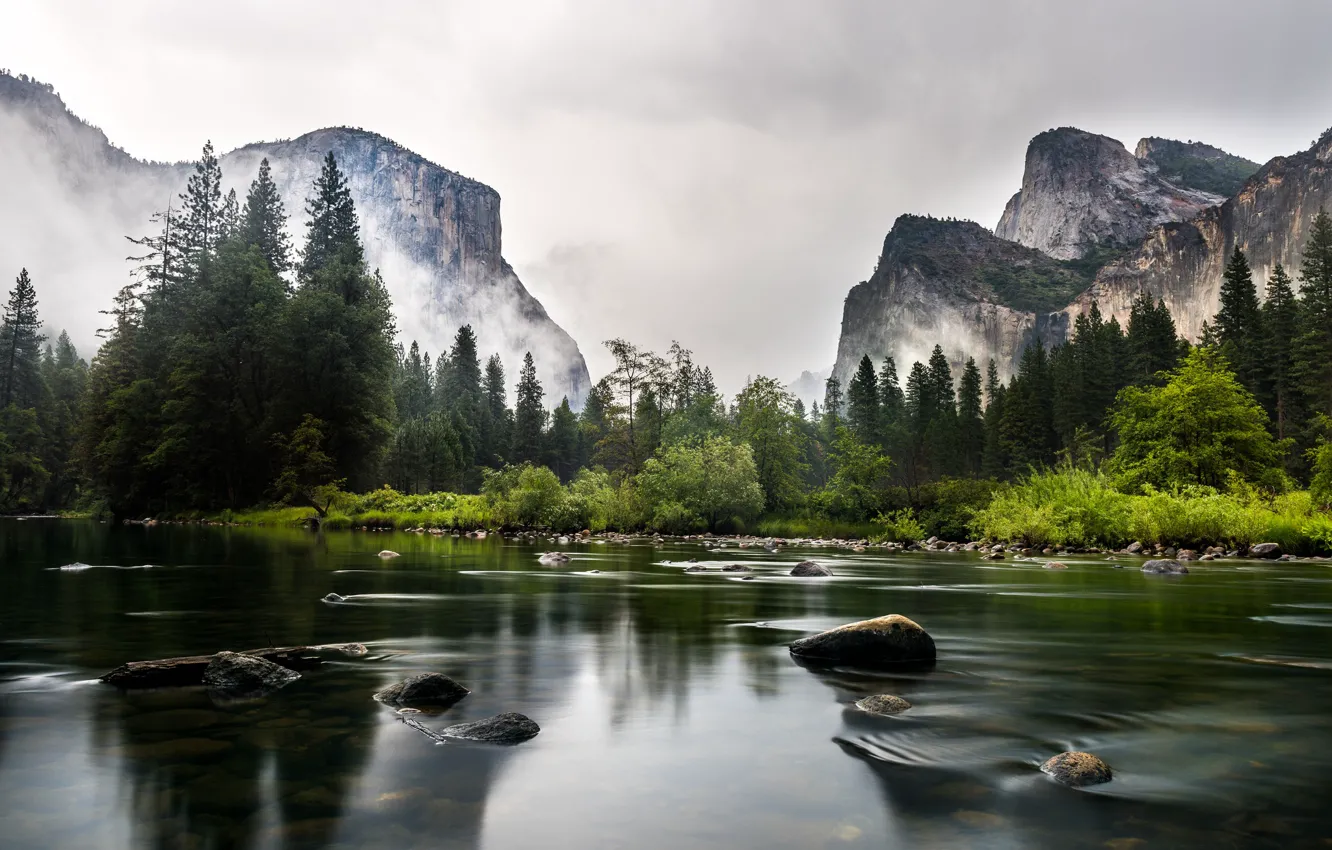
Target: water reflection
672, 714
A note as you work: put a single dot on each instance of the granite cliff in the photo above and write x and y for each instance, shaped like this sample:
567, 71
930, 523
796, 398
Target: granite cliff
71, 196
1092, 223
1082, 192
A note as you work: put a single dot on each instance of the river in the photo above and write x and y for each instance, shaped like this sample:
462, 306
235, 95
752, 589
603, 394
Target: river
672, 715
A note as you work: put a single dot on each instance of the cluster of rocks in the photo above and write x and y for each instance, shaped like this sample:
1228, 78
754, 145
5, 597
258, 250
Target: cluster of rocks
895, 642
435, 692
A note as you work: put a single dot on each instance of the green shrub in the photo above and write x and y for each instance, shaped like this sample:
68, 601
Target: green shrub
899, 527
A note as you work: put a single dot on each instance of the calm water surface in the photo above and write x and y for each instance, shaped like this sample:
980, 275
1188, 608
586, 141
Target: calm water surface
672, 715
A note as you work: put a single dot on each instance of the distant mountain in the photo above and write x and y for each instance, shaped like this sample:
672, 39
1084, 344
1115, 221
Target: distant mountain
1091, 223
810, 386
71, 197
1082, 192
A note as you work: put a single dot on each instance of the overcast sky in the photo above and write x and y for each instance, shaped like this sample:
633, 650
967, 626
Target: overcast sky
715, 172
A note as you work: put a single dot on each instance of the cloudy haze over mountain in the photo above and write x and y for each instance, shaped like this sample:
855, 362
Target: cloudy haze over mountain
720, 172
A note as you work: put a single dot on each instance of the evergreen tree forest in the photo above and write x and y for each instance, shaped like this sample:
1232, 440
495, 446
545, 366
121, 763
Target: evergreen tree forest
242, 367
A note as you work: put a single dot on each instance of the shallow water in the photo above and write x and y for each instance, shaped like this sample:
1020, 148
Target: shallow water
672, 715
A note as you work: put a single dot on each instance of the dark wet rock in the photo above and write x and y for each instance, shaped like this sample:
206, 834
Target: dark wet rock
334, 598
1078, 769
883, 641
507, 728
883, 704
1165, 566
1055, 565
1134, 548
735, 568
809, 569
425, 690
993, 556
746, 578
1265, 550
1186, 555
241, 676
696, 568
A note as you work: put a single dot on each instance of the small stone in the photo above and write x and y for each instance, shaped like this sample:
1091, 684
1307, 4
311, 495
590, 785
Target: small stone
426, 690
334, 598
1055, 565
1077, 769
810, 569
1134, 548
507, 728
389, 553
883, 704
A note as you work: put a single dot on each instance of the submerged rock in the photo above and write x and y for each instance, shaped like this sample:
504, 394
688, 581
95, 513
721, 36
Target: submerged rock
883, 641
809, 569
696, 568
332, 598
1055, 565
553, 558
1165, 566
1265, 550
389, 553
735, 568
1078, 769
507, 728
883, 704
234, 674
426, 690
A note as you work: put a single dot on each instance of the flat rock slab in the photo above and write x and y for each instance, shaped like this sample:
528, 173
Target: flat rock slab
235, 674
426, 690
883, 641
507, 728
883, 704
1078, 769
189, 670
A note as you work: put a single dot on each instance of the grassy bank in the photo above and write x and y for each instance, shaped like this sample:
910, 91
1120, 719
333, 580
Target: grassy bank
1073, 507
379, 509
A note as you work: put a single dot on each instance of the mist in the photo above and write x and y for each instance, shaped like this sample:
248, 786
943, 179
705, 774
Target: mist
717, 173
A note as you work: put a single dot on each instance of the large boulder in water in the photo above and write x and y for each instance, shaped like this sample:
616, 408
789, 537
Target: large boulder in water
883, 641
507, 728
426, 690
1078, 769
810, 569
241, 676
1169, 567
1265, 550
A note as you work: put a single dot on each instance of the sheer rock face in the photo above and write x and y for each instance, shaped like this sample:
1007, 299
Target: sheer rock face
1081, 191
1182, 263
433, 233
935, 283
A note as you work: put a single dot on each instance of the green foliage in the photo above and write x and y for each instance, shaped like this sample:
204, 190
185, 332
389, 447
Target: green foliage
695, 486
1221, 175
765, 421
857, 487
899, 526
307, 471
525, 495
1320, 458
1201, 428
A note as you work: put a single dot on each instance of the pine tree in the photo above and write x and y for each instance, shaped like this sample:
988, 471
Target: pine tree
920, 415
1281, 325
333, 231
1027, 429
529, 417
1238, 323
496, 418
412, 392
862, 406
832, 408
1152, 345
994, 460
970, 419
943, 438
1313, 349
264, 221
229, 223
562, 454
21, 345
201, 222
